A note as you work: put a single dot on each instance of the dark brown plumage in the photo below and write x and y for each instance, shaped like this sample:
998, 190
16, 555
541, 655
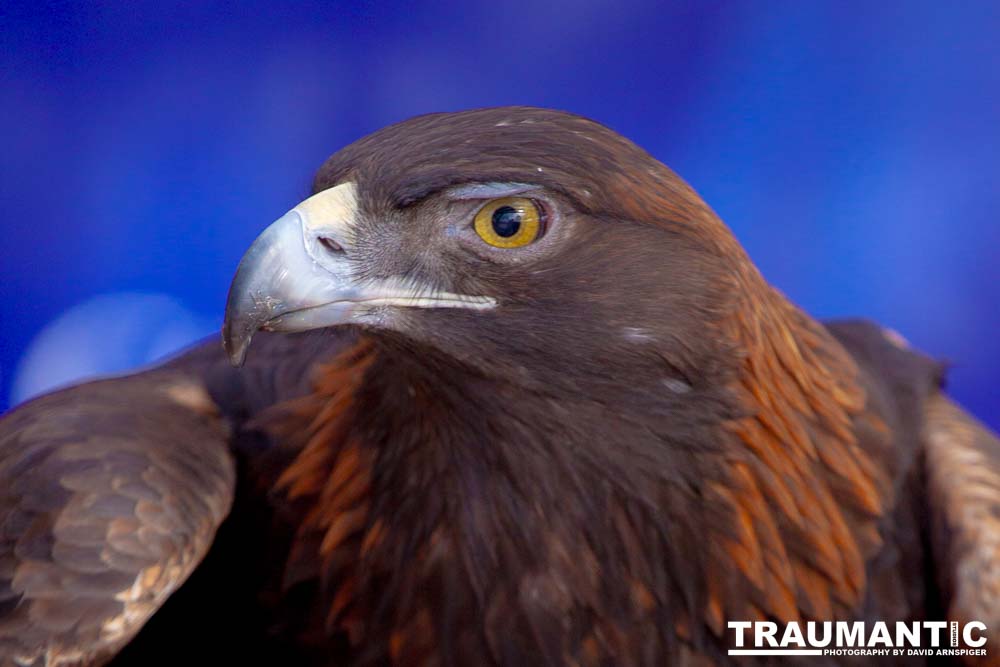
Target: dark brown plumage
593, 449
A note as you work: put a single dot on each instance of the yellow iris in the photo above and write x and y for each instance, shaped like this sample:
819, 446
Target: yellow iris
508, 222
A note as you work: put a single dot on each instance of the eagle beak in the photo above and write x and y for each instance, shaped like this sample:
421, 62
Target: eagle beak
299, 275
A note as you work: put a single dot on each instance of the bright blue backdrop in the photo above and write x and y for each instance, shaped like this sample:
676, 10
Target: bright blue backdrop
853, 148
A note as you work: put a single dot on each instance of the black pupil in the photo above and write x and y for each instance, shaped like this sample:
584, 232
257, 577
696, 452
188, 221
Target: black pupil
506, 221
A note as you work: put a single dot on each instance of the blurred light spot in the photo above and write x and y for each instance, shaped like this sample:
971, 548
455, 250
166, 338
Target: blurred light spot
110, 333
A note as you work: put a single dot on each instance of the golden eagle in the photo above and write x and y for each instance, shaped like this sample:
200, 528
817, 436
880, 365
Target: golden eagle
520, 398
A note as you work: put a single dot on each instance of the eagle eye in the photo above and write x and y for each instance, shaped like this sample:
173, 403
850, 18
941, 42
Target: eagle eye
509, 222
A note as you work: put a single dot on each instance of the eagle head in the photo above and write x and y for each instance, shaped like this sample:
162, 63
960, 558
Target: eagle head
536, 246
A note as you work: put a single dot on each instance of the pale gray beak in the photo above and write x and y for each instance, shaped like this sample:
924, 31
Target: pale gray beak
299, 275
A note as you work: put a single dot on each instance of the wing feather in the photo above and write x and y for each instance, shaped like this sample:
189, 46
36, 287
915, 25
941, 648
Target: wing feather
110, 496
963, 475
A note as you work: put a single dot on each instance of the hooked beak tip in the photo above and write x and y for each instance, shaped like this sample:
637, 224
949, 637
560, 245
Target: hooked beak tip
235, 344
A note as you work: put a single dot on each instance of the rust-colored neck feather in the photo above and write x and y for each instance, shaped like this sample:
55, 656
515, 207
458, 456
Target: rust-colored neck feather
806, 494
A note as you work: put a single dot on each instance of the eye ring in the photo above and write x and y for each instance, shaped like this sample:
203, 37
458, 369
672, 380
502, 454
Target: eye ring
509, 222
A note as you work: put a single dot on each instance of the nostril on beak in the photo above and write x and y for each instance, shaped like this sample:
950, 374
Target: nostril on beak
332, 246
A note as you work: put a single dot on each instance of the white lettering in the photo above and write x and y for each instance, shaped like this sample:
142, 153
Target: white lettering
739, 627
766, 630
853, 637
792, 634
910, 632
935, 627
967, 634
827, 634
880, 635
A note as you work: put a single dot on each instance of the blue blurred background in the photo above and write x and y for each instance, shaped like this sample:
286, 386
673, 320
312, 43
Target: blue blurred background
852, 146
